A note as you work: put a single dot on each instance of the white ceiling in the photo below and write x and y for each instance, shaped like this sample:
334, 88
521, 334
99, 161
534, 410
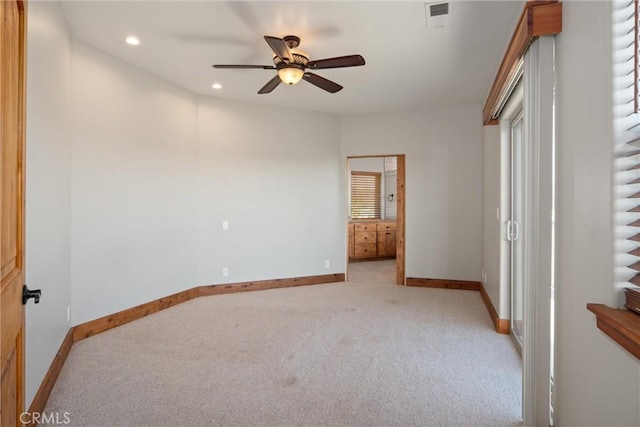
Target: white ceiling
408, 66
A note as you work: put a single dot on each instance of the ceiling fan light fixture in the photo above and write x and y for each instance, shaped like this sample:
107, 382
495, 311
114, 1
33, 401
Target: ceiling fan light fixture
290, 75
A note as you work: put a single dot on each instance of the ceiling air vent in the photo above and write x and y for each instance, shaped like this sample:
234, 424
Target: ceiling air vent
437, 15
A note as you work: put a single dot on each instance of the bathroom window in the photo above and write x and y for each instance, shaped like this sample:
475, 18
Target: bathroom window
365, 195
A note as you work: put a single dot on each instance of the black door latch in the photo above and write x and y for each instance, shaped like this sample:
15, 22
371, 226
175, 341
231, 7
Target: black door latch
29, 293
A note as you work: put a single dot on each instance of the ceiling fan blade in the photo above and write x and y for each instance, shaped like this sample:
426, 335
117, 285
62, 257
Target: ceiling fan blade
270, 86
339, 62
280, 48
246, 67
322, 83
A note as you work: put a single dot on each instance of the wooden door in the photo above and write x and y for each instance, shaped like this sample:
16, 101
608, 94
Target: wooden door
12, 113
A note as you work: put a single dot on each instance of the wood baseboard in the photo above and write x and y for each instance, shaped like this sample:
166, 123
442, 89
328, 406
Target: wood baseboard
93, 327
466, 285
502, 325
42, 395
261, 285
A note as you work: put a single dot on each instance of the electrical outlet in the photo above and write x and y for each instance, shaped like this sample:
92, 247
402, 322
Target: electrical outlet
327, 264
225, 271
225, 225
68, 313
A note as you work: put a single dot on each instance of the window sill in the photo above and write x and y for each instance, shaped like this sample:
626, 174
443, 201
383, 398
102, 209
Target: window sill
623, 326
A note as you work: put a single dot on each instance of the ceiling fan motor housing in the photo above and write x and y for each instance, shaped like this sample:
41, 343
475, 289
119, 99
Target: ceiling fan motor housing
292, 41
299, 60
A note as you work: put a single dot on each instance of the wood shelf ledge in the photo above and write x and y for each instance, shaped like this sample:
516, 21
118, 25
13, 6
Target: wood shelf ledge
623, 326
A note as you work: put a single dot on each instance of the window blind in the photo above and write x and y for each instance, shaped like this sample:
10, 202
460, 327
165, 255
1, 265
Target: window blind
365, 195
626, 129
635, 17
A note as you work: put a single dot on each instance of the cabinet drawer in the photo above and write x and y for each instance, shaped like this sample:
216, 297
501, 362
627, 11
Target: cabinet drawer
384, 226
365, 237
365, 226
365, 250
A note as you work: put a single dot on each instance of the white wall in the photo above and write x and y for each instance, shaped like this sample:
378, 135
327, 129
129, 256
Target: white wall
275, 174
155, 171
493, 233
367, 164
596, 380
443, 183
47, 187
134, 174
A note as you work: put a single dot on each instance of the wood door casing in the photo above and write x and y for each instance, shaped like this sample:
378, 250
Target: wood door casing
12, 134
400, 221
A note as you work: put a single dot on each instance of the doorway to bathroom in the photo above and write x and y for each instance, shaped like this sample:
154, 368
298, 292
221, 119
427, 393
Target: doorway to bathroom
376, 217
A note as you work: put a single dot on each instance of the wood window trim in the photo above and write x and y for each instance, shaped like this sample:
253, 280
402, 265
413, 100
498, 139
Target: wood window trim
623, 326
538, 18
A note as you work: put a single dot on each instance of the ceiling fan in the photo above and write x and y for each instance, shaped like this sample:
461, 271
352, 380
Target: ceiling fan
292, 64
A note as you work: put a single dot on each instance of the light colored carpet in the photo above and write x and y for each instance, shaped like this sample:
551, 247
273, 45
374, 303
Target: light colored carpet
343, 354
372, 271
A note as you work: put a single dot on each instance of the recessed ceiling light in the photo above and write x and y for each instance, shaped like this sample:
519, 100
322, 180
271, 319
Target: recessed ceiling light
132, 40
216, 86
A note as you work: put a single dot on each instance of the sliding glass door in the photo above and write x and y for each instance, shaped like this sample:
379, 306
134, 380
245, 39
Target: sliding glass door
514, 231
